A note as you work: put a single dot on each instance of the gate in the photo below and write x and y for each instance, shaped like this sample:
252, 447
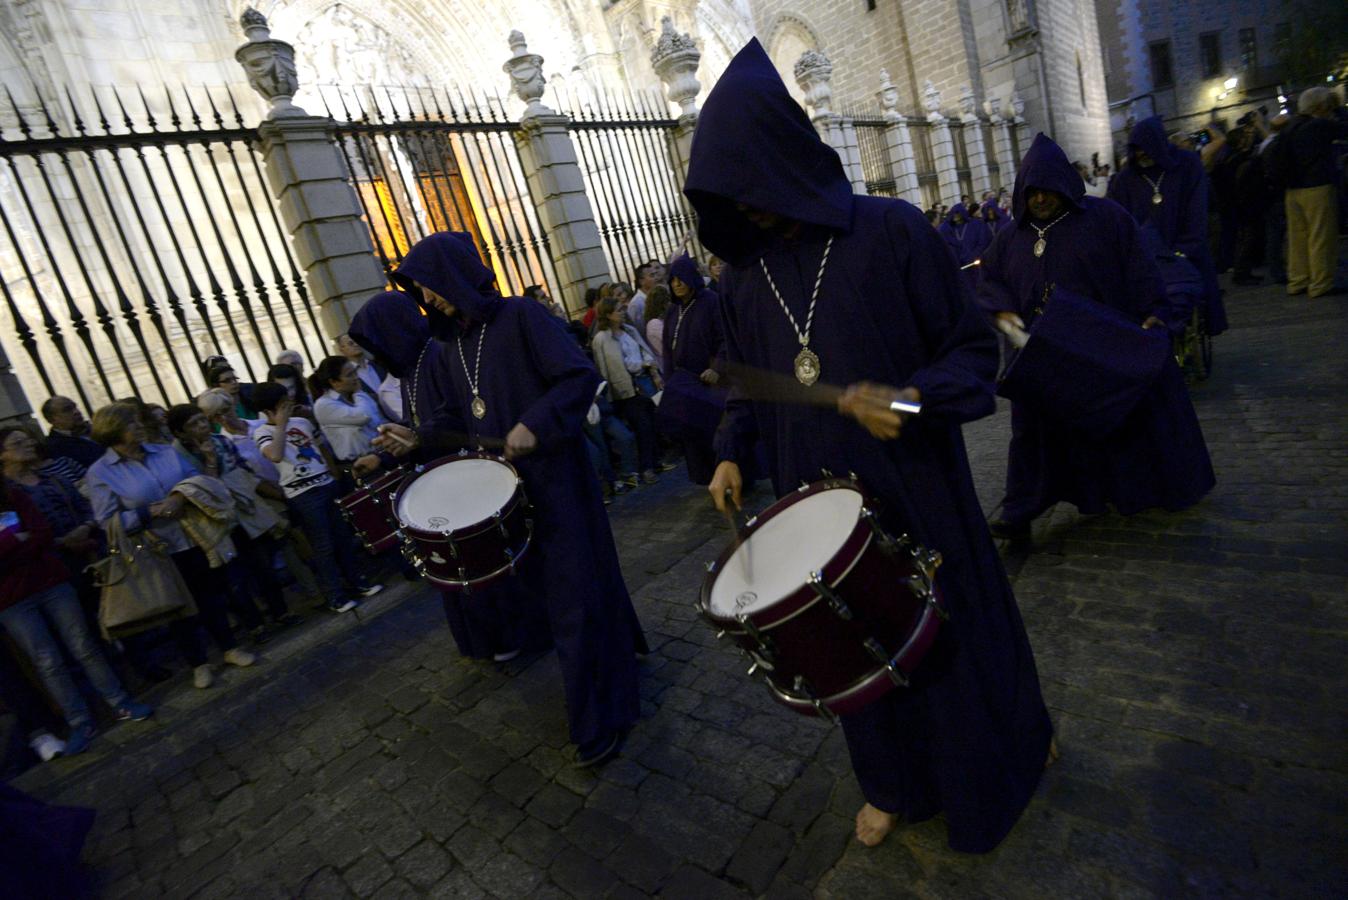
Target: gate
137, 240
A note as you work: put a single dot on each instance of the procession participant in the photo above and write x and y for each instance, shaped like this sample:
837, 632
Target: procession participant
512, 372
1165, 187
694, 341
860, 291
498, 619
1063, 239
967, 236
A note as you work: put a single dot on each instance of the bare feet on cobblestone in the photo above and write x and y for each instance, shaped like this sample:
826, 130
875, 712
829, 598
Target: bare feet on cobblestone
873, 825
1052, 752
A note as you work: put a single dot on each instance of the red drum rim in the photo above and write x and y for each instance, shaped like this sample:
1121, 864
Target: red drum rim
442, 537
803, 597
508, 568
390, 479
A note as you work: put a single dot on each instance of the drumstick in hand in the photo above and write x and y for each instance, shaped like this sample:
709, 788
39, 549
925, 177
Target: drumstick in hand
729, 513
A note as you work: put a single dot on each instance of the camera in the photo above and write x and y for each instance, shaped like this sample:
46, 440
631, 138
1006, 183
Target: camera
1201, 138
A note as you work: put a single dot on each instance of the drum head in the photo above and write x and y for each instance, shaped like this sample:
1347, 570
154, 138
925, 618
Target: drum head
777, 559
456, 494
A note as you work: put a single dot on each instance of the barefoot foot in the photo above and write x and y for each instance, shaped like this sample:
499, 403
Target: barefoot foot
873, 825
1052, 752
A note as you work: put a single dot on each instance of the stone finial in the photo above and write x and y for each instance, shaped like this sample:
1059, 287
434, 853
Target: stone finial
1017, 107
270, 66
813, 72
526, 76
931, 100
990, 110
888, 95
675, 58
967, 102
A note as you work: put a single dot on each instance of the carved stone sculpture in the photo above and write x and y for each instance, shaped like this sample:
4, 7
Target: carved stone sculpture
888, 95
813, 72
967, 103
270, 66
931, 99
526, 76
675, 59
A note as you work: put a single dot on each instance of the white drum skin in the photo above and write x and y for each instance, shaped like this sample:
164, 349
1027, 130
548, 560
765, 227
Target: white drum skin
457, 495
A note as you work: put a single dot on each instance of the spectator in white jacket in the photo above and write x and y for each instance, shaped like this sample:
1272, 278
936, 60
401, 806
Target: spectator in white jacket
350, 417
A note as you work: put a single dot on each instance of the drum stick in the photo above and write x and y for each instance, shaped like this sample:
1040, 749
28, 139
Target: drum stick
738, 541
977, 262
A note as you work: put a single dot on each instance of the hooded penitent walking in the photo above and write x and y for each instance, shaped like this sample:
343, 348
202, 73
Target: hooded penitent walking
498, 619
1064, 241
694, 398
512, 372
819, 282
1166, 191
967, 236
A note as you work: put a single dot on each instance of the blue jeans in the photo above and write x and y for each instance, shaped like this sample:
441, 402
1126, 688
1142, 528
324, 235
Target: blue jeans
31, 622
331, 539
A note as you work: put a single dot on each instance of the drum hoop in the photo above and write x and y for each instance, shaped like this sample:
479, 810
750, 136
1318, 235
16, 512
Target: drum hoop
374, 488
806, 595
468, 531
464, 532
445, 583
781, 504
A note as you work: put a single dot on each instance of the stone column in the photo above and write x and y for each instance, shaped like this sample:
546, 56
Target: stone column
942, 147
14, 406
310, 180
979, 176
552, 169
1018, 122
813, 72
675, 59
1001, 135
898, 143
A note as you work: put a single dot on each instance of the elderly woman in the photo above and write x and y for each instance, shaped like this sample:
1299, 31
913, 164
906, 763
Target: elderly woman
225, 379
37, 603
350, 417
219, 409
627, 364
215, 455
135, 481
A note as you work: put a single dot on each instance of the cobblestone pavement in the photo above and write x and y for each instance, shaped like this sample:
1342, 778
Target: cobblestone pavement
1193, 664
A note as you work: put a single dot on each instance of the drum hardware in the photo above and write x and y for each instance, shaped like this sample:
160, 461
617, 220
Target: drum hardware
500, 526
800, 690
751, 522
836, 603
765, 648
710, 567
826, 473
804, 486
880, 655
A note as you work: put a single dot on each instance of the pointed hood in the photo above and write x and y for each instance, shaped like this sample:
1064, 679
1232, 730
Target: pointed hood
448, 263
1046, 166
391, 328
957, 210
686, 271
754, 145
1149, 136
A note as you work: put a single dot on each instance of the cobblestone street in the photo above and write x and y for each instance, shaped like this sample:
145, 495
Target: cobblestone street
1193, 664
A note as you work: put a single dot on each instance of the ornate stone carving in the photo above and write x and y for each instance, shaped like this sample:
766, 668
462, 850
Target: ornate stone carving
931, 100
675, 59
888, 95
967, 103
526, 77
813, 72
1017, 108
270, 66
990, 110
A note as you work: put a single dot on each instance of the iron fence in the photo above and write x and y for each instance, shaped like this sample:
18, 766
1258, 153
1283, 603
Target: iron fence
624, 143
138, 240
426, 159
876, 166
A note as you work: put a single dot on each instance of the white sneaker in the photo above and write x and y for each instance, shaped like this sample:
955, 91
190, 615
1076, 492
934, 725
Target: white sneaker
370, 590
507, 656
241, 658
47, 746
202, 677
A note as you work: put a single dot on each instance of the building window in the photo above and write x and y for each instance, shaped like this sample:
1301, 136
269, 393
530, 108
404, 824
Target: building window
1249, 53
1161, 74
1210, 53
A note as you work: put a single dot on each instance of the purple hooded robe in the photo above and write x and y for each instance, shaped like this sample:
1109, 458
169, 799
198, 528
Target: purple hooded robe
1158, 456
970, 735
689, 409
497, 617
967, 241
1181, 218
534, 373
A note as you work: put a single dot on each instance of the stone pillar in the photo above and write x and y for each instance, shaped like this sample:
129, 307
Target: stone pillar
942, 147
1018, 122
675, 59
813, 72
14, 406
898, 143
979, 176
310, 180
556, 183
1006, 157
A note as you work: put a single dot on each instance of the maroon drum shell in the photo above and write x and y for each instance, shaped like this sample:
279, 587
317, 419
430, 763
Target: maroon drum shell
476, 554
808, 638
369, 510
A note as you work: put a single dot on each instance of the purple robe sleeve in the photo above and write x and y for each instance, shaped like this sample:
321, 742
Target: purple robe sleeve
956, 382
994, 294
1191, 235
1144, 289
571, 379
738, 431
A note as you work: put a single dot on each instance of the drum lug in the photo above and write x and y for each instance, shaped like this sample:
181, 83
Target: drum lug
720, 632
750, 522
934, 602
929, 560
920, 585
765, 646
826, 473
463, 451
804, 486
880, 655
835, 602
802, 690
710, 567
500, 524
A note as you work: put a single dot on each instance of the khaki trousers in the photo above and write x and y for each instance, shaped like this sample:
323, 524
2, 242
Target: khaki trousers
1312, 233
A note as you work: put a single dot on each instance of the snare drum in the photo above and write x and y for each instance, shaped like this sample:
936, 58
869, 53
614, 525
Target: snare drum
369, 510
464, 519
832, 612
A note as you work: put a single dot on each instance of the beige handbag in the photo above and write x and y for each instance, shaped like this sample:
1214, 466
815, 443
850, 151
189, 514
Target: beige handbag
141, 587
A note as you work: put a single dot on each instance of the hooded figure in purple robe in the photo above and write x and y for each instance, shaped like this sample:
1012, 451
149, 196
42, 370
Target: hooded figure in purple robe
498, 619
532, 376
1093, 249
1180, 219
993, 216
967, 236
970, 735
691, 406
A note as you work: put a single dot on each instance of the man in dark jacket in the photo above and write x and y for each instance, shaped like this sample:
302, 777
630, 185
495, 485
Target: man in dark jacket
969, 737
69, 434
